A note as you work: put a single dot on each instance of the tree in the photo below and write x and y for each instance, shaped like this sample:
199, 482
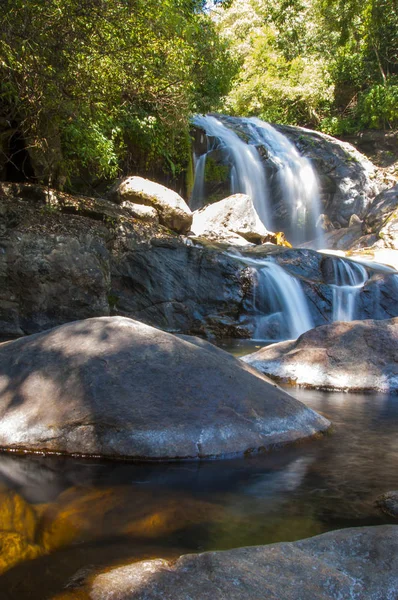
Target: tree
104, 84
282, 77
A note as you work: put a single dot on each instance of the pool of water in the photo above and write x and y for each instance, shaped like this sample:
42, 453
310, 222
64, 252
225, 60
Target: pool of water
61, 516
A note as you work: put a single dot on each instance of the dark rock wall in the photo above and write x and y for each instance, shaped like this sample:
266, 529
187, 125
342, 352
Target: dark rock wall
56, 268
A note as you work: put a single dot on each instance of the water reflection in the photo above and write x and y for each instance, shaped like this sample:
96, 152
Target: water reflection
59, 515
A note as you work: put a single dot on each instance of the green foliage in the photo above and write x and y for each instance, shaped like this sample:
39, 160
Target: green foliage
111, 84
281, 79
329, 64
378, 107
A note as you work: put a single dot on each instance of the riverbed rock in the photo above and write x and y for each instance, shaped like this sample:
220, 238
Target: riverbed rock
172, 209
101, 259
388, 503
235, 214
115, 387
351, 563
353, 356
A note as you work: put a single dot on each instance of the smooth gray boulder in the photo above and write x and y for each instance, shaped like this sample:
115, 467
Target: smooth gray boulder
111, 386
351, 356
358, 563
172, 209
235, 214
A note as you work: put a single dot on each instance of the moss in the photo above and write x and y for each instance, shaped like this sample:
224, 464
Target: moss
215, 171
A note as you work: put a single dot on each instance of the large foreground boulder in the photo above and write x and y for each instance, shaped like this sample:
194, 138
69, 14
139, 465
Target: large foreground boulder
172, 209
354, 356
115, 387
358, 563
235, 214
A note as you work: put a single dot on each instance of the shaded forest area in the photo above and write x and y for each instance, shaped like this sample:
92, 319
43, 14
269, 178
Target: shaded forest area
93, 89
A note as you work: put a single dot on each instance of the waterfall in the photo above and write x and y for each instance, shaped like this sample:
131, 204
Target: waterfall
296, 179
198, 190
282, 167
349, 279
280, 305
247, 173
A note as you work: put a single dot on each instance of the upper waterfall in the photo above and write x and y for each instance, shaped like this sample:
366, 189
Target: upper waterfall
266, 165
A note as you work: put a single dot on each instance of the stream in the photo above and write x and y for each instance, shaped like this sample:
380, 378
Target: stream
75, 515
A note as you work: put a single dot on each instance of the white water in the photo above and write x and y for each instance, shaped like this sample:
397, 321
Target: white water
294, 176
280, 305
349, 279
198, 191
247, 173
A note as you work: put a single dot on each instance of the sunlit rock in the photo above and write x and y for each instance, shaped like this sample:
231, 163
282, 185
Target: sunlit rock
350, 563
235, 214
172, 209
354, 356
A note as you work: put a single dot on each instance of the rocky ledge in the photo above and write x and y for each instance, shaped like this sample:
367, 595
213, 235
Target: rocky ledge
358, 563
115, 387
355, 356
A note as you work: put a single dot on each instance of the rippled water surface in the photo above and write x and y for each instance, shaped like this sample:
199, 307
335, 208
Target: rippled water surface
61, 516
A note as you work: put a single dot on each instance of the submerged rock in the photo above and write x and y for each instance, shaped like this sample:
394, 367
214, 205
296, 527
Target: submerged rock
351, 563
115, 387
354, 356
388, 503
172, 209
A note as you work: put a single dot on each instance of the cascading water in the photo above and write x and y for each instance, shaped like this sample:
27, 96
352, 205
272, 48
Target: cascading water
296, 179
349, 279
198, 191
289, 172
287, 305
247, 172
280, 305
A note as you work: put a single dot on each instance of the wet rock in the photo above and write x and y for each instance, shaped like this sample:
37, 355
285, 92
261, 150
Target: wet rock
351, 563
172, 209
388, 503
115, 387
354, 356
235, 214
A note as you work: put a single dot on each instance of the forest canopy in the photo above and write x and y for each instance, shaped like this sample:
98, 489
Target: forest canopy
328, 64
97, 88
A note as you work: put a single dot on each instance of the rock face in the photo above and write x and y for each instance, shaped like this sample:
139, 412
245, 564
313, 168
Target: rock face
101, 258
347, 178
235, 214
172, 209
355, 356
116, 387
351, 563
